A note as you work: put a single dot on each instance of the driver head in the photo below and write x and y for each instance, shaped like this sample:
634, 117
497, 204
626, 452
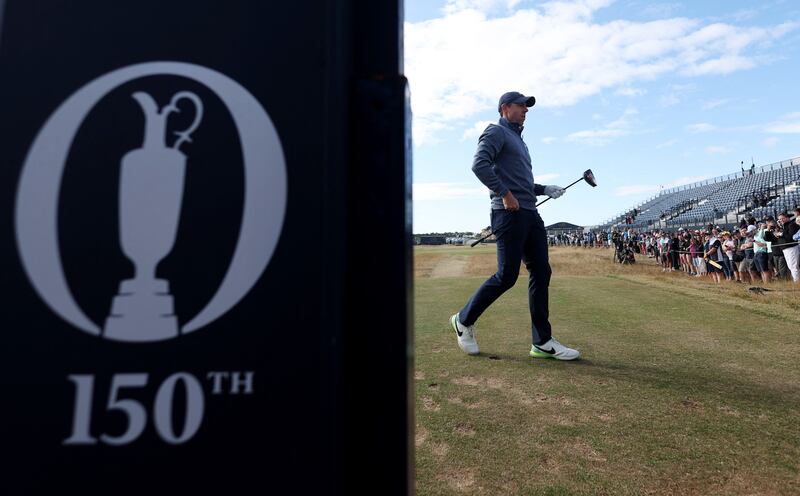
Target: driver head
588, 176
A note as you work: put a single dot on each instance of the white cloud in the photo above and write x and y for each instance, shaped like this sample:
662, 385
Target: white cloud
722, 65
457, 64
447, 191
475, 131
424, 131
743, 15
624, 120
771, 142
717, 150
572, 10
676, 94
636, 189
464, 191
669, 100
667, 143
788, 124
548, 139
487, 6
546, 178
628, 91
597, 137
661, 10
700, 127
614, 129
639, 189
711, 104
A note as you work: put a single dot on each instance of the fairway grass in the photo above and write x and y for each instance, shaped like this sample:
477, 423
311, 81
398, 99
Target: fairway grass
683, 387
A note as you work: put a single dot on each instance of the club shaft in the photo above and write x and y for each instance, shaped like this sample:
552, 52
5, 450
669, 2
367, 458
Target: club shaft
574, 182
474, 243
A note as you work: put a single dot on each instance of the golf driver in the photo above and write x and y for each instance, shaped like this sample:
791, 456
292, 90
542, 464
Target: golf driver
588, 176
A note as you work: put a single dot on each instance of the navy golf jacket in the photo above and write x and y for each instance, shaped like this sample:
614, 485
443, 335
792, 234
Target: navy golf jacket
503, 164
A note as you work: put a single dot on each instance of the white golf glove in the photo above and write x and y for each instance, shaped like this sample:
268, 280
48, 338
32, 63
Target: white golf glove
553, 191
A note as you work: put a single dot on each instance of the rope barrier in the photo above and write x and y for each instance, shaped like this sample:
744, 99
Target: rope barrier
795, 243
754, 289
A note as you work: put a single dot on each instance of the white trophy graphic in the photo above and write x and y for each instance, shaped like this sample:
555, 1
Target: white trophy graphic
150, 197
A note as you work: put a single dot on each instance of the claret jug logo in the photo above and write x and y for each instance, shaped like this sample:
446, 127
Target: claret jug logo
153, 178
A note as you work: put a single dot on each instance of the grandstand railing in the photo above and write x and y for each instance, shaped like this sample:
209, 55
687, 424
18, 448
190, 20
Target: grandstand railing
736, 175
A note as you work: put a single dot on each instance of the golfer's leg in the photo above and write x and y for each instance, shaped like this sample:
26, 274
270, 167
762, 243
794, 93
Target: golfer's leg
534, 255
509, 254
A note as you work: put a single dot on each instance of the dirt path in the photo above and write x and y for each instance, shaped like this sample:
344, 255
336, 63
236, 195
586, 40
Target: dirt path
450, 267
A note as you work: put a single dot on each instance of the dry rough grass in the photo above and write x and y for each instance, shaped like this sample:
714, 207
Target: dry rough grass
685, 387
782, 301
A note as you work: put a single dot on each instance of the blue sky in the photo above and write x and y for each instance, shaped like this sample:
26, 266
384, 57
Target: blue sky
646, 94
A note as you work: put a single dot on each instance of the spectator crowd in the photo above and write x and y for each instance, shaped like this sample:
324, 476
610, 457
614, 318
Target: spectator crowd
751, 252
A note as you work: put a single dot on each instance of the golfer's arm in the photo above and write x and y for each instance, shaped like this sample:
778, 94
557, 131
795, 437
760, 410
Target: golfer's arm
489, 146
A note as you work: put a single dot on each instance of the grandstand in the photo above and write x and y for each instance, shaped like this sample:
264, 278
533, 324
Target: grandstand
723, 200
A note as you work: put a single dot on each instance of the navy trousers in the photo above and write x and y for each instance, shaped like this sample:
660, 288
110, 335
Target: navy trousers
521, 236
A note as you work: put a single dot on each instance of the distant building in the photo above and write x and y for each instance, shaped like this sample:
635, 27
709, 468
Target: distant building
563, 228
432, 240
487, 231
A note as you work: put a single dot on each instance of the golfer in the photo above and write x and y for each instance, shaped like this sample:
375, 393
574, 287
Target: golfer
503, 164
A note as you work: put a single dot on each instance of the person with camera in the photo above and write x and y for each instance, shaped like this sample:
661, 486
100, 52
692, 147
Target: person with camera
675, 251
796, 236
714, 254
642, 243
618, 239
773, 237
760, 258
728, 247
686, 248
683, 251
663, 251
695, 252
736, 238
630, 252
744, 243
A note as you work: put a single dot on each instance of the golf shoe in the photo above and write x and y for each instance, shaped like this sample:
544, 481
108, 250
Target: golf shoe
465, 335
554, 349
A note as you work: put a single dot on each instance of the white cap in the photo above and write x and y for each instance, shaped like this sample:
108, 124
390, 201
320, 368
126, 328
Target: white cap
751, 228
